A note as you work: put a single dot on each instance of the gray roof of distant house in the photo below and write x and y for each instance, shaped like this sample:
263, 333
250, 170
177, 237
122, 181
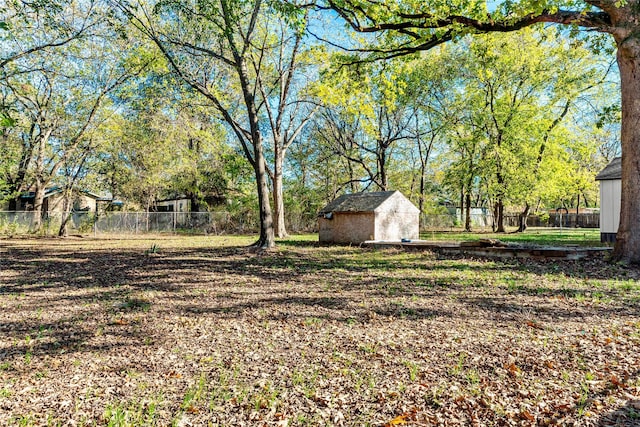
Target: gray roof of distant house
358, 202
612, 171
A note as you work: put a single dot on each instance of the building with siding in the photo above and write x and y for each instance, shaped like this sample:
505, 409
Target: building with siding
82, 201
181, 204
610, 179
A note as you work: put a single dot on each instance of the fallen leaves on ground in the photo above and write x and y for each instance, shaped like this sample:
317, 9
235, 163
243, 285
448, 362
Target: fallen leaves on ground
94, 331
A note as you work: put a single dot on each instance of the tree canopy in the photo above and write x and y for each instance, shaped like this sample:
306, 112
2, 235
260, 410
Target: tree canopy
251, 107
406, 27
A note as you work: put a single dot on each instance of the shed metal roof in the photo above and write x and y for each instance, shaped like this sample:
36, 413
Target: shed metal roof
612, 171
358, 202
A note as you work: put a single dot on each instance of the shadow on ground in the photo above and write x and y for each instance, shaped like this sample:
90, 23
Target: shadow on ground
60, 300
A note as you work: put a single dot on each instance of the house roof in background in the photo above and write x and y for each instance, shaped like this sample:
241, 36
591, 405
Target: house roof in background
358, 202
50, 191
612, 171
173, 199
92, 194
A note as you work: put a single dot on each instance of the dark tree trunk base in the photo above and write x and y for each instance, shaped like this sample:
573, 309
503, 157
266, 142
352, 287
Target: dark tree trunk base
522, 219
259, 248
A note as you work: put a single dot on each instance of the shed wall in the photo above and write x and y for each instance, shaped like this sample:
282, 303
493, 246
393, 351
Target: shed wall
85, 203
177, 205
610, 195
55, 203
393, 225
352, 228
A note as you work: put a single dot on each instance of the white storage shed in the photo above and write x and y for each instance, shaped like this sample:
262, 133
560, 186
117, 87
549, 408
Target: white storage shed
356, 218
610, 195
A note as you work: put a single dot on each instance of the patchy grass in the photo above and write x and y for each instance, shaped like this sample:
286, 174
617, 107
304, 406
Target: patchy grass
206, 332
533, 236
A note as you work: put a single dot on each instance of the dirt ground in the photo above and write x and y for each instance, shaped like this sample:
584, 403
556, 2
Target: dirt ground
198, 331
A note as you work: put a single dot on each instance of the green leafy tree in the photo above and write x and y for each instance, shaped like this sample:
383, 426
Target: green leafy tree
366, 117
160, 143
286, 65
514, 107
29, 30
59, 99
410, 26
135, 159
431, 86
219, 49
200, 152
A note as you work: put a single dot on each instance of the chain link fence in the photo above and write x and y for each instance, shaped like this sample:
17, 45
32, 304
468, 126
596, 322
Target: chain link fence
172, 222
484, 222
16, 223
449, 222
221, 222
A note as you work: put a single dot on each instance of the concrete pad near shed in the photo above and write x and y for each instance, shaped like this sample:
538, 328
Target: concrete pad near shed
493, 249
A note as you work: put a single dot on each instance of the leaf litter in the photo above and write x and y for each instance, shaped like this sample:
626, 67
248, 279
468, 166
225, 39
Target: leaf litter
95, 332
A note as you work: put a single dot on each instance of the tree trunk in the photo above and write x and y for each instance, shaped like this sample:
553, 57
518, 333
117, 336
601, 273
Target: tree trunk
382, 168
38, 202
279, 225
267, 236
494, 208
627, 247
467, 209
195, 201
522, 219
422, 195
66, 214
18, 182
461, 203
424, 159
500, 216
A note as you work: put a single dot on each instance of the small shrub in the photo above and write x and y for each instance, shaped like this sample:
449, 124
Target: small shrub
154, 249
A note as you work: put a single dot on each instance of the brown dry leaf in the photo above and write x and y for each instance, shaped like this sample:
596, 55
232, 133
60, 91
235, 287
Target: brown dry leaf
513, 369
174, 374
526, 415
534, 325
402, 419
399, 420
616, 382
192, 409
